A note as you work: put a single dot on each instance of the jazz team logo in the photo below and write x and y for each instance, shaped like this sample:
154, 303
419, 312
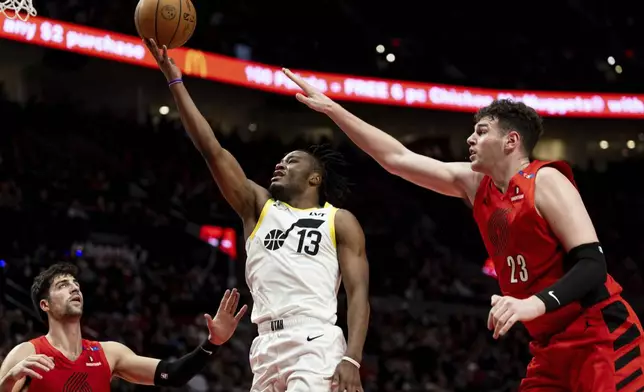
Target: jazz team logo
275, 238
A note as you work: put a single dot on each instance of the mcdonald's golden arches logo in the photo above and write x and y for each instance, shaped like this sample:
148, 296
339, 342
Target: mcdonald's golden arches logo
196, 63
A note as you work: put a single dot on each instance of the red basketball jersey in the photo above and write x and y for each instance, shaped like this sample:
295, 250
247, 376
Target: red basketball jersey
90, 372
527, 255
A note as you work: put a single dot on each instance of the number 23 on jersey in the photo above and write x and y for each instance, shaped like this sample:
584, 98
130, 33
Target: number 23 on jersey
518, 269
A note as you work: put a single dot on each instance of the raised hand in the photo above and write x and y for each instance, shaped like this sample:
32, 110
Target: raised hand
221, 327
311, 97
166, 64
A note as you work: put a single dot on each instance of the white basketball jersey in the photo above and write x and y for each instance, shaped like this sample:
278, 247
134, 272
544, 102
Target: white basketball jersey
292, 264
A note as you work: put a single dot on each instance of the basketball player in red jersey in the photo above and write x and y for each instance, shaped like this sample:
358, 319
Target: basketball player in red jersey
63, 361
550, 265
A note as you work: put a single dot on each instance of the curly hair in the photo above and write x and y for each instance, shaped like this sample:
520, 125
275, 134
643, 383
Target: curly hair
42, 284
515, 116
334, 187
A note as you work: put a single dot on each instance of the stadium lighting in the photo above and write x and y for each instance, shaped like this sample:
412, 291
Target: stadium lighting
164, 110
391, 57
603, 144
611, 60
380, 49
630, 144
618, 69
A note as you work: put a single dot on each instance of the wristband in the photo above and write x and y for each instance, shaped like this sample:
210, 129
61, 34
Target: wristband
351, 361
176, 373
175, 81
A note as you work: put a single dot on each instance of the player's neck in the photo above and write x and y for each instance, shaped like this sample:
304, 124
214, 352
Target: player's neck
502, 174
303, 202
66, 337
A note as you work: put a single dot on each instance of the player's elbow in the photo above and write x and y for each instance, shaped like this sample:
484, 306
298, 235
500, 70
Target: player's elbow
393, 162
598, 272
591, 257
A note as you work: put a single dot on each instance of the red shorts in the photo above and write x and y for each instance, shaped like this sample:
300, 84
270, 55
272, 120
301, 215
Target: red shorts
601, 351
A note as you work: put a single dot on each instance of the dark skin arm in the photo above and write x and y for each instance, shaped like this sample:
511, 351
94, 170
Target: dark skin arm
355, 277
244, 196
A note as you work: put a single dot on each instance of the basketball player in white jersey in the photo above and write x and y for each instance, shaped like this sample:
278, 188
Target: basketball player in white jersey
298, 247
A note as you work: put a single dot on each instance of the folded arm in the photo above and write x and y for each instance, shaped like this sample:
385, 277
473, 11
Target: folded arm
15, 356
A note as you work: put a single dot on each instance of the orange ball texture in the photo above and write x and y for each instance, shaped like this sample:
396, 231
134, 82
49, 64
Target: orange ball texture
168, 22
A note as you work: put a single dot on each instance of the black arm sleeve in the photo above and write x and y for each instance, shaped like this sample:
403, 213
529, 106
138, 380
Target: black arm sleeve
588, 271
179, 372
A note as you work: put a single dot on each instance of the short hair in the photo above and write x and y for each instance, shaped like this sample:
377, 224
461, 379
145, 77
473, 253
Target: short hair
329, 162
42, 284
517, 116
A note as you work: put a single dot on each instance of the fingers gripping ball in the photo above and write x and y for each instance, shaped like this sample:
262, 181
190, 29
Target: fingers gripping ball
168, 22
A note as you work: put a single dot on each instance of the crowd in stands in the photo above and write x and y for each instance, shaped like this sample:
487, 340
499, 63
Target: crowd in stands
115, 197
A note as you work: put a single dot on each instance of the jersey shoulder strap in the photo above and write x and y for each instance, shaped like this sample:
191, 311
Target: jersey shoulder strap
40, 344
262, 214
334, 210
561, 166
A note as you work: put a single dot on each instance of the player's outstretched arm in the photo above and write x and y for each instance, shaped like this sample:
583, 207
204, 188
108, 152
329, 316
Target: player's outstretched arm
245, 197
560, 204
354, 267
150, 371
451, 179
22, 362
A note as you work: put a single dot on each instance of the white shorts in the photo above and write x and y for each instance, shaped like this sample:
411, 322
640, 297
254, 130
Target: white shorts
297, 354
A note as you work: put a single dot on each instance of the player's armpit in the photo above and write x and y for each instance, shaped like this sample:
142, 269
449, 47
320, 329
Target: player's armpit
17, 354
129, 366
243, 195
448, 178
355, 277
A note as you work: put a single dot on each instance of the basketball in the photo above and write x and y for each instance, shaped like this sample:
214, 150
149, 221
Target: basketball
168, 22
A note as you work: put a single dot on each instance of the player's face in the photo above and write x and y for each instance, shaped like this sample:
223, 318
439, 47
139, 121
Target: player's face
291, 175
487, 145
65, 298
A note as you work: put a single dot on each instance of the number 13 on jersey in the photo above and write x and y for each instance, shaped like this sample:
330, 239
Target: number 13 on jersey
518, 269
314, 237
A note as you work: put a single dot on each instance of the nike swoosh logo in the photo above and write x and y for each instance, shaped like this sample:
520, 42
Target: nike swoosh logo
552, 294
308, 338
206, 351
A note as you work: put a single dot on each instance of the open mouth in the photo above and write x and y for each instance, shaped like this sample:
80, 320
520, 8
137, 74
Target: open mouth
277, 174
76, 300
